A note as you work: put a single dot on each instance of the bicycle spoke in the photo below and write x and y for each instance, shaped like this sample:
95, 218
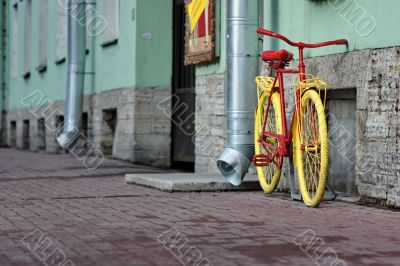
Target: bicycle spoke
311, 143
270, 126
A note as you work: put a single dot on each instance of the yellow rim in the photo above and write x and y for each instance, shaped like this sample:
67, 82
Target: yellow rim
268, 176
311, 149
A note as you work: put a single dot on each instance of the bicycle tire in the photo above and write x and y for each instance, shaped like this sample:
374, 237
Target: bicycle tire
268, 176
311, 148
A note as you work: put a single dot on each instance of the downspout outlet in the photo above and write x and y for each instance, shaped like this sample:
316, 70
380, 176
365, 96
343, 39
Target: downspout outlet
233, 165
68, 137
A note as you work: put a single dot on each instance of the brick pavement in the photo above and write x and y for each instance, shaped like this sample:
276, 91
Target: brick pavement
93, 218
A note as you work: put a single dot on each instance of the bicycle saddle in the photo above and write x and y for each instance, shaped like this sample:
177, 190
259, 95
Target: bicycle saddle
281, 55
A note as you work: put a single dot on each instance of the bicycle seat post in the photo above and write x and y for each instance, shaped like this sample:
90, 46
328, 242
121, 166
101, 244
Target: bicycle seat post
302, 66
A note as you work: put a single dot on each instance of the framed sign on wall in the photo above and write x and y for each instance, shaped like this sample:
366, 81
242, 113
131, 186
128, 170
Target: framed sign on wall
199, 31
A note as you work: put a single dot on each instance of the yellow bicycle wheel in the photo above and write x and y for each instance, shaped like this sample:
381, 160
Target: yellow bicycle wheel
268, 176
311, 148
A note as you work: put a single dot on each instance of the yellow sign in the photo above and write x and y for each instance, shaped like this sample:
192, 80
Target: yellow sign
195, 9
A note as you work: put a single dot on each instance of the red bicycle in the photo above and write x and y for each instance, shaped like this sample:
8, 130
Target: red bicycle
308, 128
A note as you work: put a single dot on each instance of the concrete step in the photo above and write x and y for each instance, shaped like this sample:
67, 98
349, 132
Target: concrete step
186, 182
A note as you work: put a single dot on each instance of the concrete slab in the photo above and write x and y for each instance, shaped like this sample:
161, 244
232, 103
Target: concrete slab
185, 182
349, 199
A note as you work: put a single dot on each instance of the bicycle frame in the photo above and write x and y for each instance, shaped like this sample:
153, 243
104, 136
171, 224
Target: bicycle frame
285, 138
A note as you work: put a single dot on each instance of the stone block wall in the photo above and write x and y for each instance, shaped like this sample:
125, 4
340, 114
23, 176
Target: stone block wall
210, 122
142, 132
152, 141
378, 170
47, 111
375, 74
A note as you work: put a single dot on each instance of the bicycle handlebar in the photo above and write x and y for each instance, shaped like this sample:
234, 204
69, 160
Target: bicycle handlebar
301, 44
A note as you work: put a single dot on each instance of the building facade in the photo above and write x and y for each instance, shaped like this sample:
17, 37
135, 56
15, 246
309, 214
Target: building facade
363, 95
141, 104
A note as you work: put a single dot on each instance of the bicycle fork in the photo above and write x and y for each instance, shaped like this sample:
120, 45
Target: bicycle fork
274, 153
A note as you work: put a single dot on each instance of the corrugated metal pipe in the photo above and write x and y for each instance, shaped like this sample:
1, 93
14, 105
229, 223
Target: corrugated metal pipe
242, 68
76, 72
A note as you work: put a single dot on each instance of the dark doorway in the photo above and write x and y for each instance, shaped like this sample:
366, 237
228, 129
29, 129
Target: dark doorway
84, 124
41, 134
341, 118
59, 130
25, 135
59, 124
184, 97
13, 134
85, 130
108, 127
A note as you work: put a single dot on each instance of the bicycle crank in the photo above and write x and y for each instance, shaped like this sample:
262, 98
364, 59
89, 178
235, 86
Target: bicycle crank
261, 160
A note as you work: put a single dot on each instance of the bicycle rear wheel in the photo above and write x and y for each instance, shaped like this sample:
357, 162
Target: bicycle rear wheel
268, 176
311, 148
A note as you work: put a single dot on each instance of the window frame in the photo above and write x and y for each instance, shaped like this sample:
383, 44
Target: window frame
27, 39
111, 34
43, 35
15, 42
61, 34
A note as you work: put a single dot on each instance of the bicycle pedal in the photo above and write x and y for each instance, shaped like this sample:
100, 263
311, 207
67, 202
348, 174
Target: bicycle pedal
260, 160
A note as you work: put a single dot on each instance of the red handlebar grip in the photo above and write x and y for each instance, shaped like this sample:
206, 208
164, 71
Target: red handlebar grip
342, 42
264, 32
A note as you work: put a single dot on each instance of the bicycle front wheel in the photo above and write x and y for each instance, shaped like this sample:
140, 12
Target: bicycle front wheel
268, 176
311, 148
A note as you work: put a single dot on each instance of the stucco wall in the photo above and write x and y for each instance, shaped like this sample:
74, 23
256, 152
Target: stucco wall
308, 21
142, 57
141, 135
375, 75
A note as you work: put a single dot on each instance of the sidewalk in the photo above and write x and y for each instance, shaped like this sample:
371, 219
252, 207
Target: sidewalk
55, 211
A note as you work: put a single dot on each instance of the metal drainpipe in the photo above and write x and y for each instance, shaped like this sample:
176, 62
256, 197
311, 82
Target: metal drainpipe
3, 54
76, 72
242, 68
92, 55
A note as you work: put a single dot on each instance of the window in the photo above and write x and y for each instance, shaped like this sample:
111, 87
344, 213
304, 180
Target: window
89, 16
111, 14
61, 38
28, 38
15, 42
62, 29
43, 35
84, 17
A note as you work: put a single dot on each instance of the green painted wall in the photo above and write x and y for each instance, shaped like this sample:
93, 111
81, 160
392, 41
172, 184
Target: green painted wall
154, 43
7, 51
219, 64
2, 52
143, 55
133, 61
53, 80
115, 64
304, 20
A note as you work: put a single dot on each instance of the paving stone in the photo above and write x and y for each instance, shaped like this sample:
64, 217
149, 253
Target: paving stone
94, 218
190, 182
